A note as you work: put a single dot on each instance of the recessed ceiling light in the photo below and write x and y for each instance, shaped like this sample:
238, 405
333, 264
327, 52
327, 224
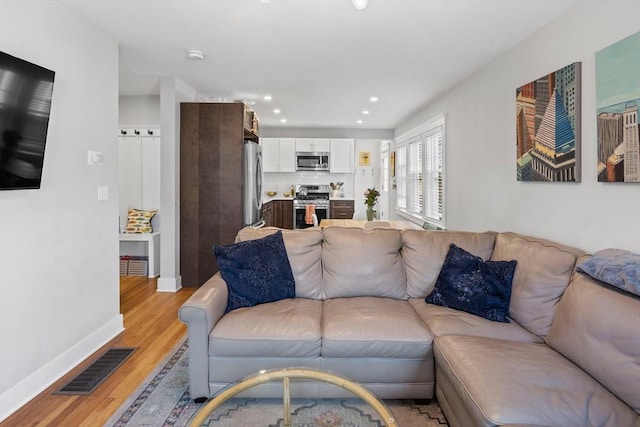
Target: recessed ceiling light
267, 97
195, 55
265, 1
276, 111
365, 112
283, 120
359, 122
373, 99
360, 4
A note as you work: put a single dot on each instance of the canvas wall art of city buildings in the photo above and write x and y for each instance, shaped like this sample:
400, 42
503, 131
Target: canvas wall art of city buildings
617, 102
548, 127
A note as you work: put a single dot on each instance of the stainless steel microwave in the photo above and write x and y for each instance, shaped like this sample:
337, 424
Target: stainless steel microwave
312, 161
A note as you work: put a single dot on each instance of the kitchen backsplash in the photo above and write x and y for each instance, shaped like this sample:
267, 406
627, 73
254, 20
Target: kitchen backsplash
282, 182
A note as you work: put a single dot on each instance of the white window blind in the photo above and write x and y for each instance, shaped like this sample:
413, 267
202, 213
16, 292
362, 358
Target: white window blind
420, 173
415, 186
433, 173
401, 177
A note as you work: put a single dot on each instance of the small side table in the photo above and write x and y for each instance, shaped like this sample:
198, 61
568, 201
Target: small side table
153, 248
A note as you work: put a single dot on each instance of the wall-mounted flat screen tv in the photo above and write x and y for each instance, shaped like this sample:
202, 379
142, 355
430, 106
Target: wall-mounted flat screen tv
25, 102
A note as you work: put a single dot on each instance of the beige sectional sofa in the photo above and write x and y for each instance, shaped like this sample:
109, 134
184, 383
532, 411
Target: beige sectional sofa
570, 355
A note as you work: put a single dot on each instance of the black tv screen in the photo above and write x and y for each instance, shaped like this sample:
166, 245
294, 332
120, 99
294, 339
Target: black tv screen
25, 102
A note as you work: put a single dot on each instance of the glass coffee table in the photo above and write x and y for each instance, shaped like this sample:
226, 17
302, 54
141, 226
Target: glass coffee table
285, 375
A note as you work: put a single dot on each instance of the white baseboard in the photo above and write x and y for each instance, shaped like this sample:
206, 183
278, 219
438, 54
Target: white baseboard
14, 398
169, 284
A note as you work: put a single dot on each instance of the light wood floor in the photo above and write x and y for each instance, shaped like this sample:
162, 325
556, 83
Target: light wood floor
151, 324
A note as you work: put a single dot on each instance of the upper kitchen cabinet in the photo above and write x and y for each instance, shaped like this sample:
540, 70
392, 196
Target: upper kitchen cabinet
278, 154
251, 125
313, 145
341, 155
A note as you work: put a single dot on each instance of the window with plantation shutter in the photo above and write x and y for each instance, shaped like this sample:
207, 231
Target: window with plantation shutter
401, 177
433, 175
415, 185
420, 173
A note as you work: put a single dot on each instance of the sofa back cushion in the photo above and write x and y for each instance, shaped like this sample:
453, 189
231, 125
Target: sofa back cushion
596, 327
542, 274
304, 249
358, 262
424, 252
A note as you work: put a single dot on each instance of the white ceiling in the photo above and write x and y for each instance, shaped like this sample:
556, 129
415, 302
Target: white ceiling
321, 60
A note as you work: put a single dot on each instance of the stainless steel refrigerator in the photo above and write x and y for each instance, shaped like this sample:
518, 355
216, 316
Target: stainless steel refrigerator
252, 184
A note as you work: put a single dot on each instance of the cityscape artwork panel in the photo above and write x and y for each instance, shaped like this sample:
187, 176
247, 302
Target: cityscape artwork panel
617, 101
548, 127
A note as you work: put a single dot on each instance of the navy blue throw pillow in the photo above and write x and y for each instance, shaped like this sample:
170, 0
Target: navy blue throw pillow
256, 271
469, 284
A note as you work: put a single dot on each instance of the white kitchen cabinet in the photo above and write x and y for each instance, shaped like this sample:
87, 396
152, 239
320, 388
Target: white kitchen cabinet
278, 154
313, 145
287, 154
270, 156
341, 155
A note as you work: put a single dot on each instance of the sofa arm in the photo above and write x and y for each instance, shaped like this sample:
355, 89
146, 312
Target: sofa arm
201, 312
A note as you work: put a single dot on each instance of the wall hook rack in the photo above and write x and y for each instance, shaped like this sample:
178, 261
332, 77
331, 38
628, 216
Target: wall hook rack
123, 132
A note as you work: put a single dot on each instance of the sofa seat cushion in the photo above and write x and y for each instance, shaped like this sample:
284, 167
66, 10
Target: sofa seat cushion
424, 253
504, 382
373, 327
597, 328
358, 262
285, 328
448, 321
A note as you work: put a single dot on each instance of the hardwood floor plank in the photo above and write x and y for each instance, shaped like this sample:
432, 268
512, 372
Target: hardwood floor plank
151, 324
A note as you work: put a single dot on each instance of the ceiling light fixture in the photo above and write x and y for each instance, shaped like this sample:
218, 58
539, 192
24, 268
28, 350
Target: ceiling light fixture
373, 99
359, 122
267, 98
360, 4
195, 55
276, 111
365, 112
283, 120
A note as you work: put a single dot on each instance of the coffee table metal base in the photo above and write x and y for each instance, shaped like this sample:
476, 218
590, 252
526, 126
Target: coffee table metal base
297, 373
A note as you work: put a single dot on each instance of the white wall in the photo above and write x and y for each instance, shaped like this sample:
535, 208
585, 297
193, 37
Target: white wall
172, 93
139, 110
482, 191
366, 176
59, 293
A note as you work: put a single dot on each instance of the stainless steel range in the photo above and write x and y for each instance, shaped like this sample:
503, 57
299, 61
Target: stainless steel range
310, 195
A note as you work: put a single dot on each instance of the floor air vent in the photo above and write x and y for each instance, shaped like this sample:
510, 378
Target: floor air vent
89, 379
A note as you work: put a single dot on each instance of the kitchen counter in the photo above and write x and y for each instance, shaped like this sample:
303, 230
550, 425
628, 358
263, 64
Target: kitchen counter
266, 198
399, 225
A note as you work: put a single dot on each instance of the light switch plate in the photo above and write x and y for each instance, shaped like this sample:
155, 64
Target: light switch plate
94, 158
103, 192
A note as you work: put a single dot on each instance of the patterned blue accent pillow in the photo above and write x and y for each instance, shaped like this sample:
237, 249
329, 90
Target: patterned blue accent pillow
616, 267
469, 284
256, 271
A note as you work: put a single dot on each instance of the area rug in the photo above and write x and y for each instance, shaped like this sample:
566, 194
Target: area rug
163, 400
